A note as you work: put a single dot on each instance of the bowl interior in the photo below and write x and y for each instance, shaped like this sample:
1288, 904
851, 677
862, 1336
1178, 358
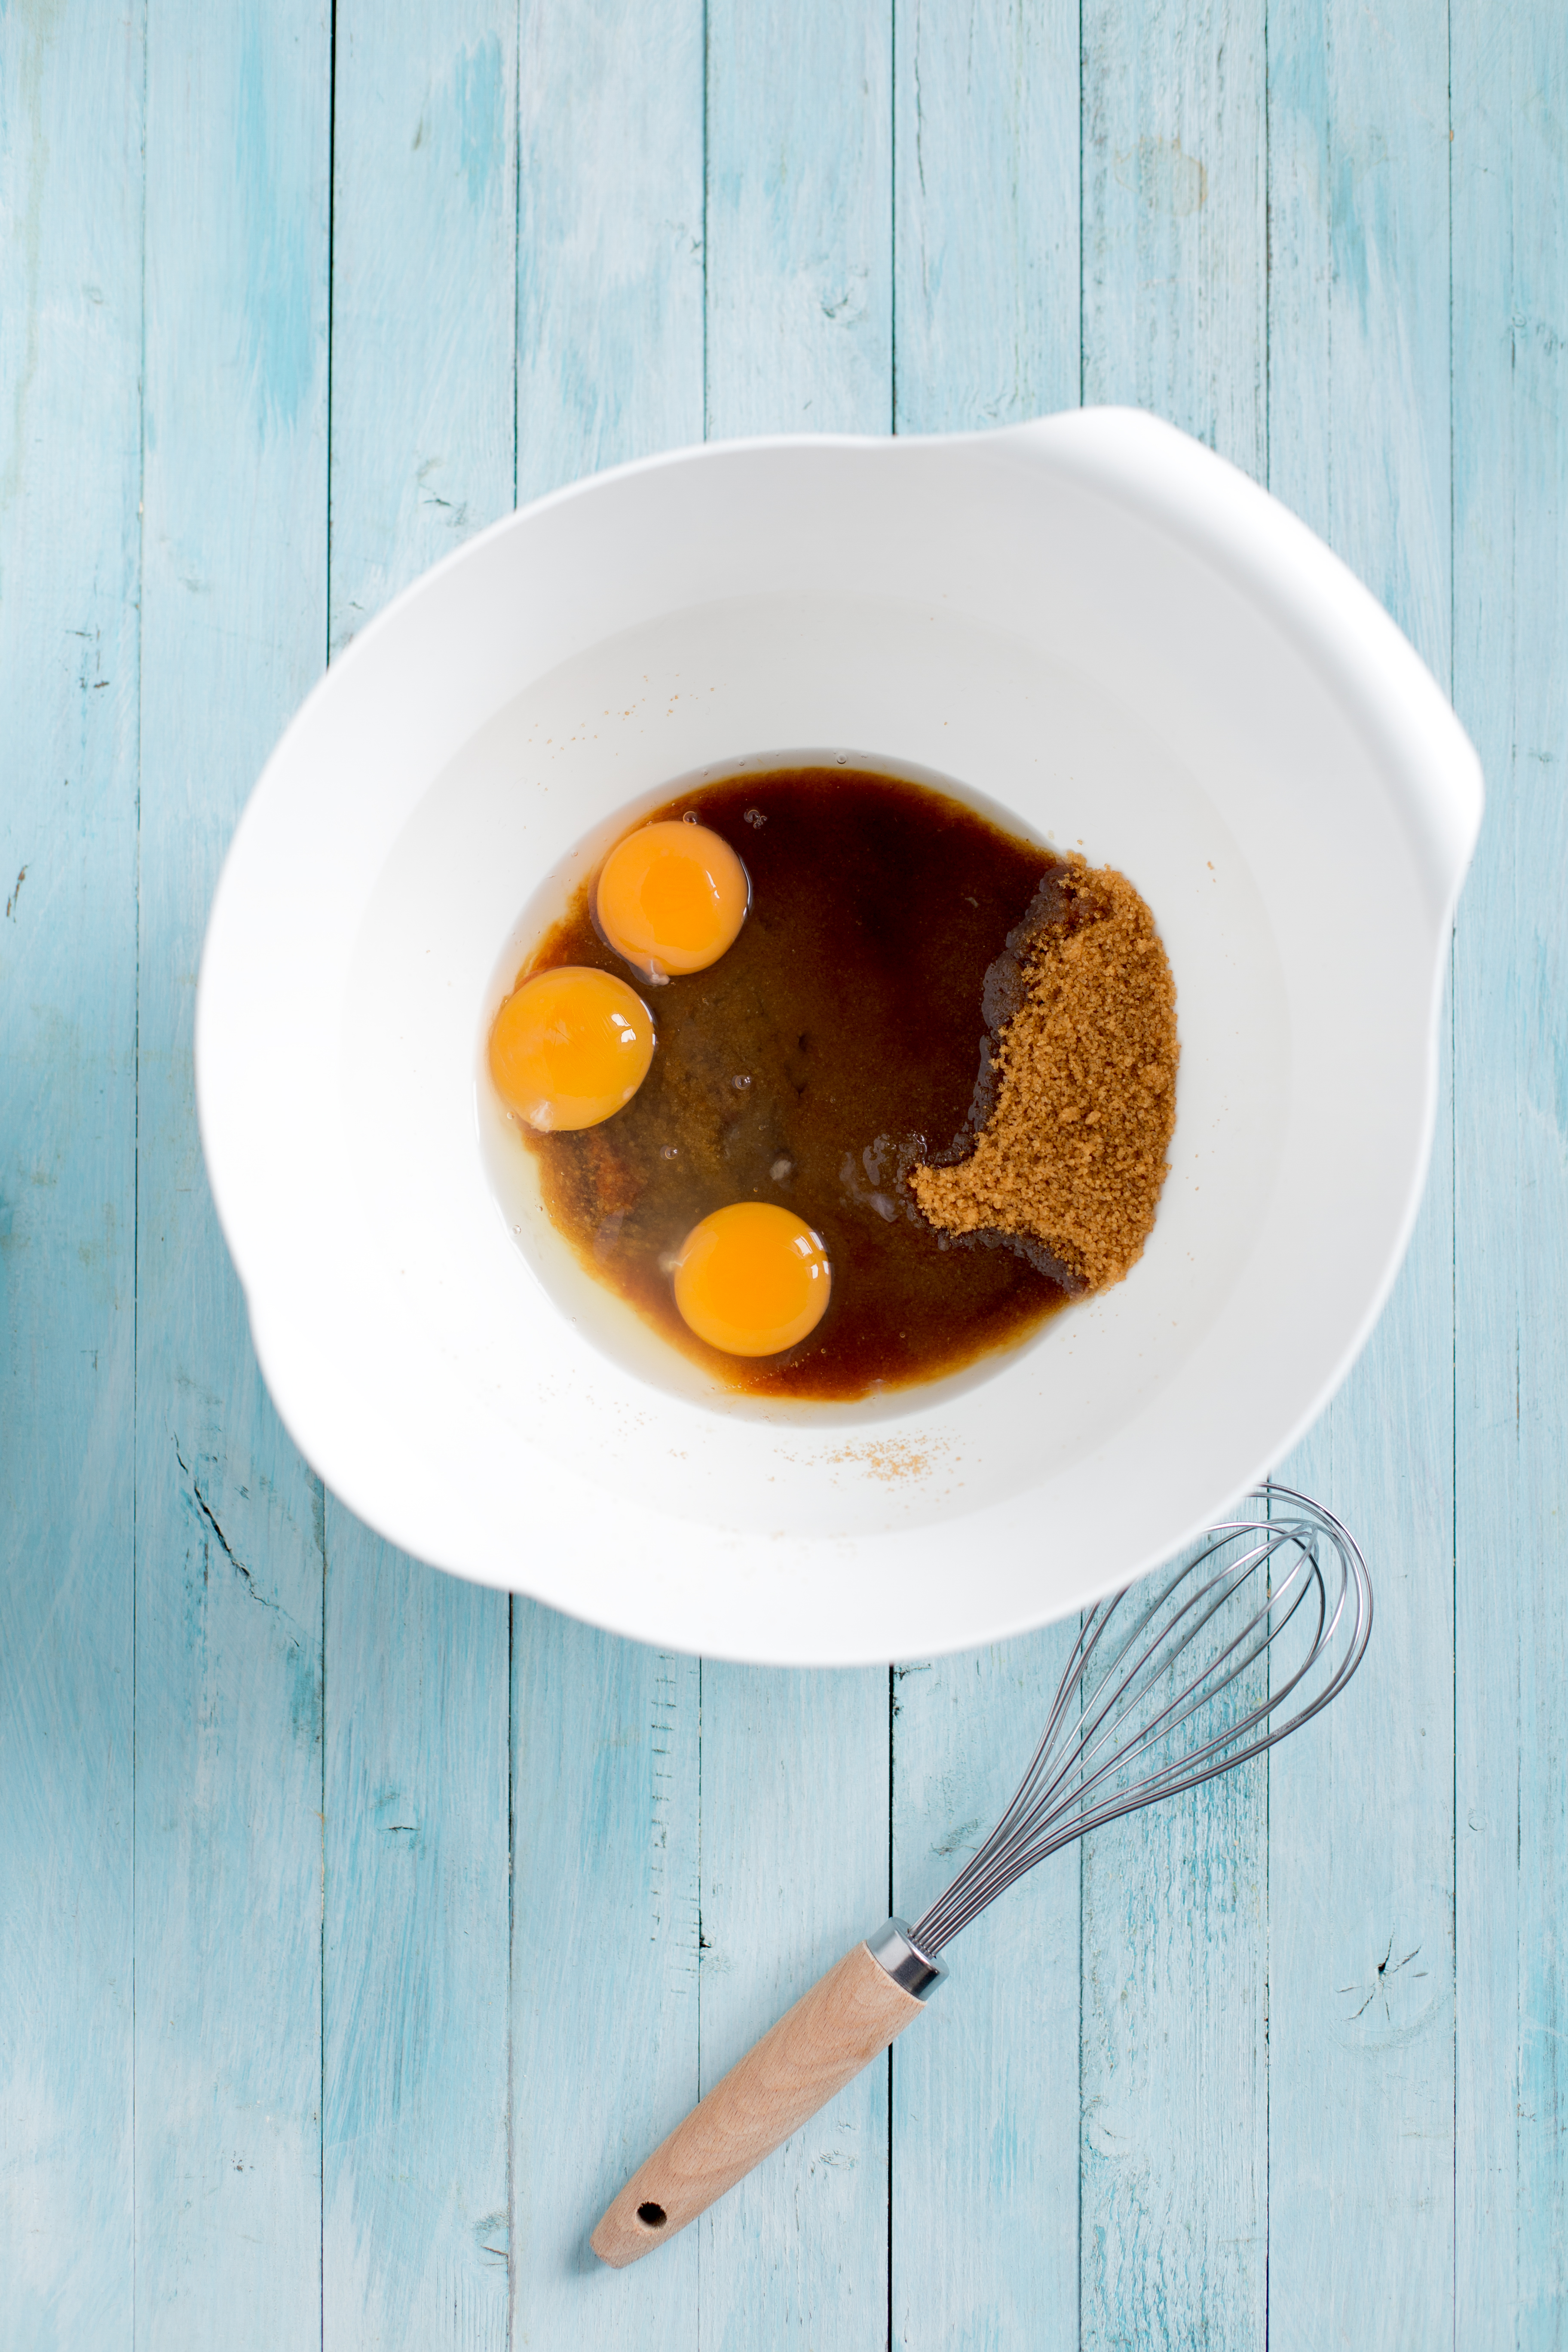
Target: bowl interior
491, 856
1038, 645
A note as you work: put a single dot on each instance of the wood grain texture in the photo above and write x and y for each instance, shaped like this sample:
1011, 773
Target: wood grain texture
604, 1965
1172, 2063
986, 2096
1510, 513
833, 2030
607, 1734
795, 1767
1174, 243
416, 2097
799, 286
414, 2121
70, 335
228, 1759
985, 194
1361, 2018
423, 253
610, 243
1174, 1940
881, 203
794, 1869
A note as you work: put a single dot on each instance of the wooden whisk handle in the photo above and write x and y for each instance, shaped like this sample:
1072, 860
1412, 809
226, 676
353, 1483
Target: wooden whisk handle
848, 2018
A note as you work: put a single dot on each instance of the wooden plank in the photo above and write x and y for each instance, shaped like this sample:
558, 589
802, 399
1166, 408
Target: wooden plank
69, 481
1362, 2021
610, 230
229, 1766
1175, 2195
415, 2236
415, 2091
605, 1972
986, 2092
1174, 247
1510, 505
795, 1767
70, 294
424, 250
985, 180
799, 194
606, 1734
1174, 2191
794, 1869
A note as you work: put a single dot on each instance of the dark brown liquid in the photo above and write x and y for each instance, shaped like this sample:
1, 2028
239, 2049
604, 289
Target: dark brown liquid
834, 1046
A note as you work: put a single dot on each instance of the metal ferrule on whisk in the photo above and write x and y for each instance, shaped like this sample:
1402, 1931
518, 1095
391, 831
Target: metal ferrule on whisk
895, 1950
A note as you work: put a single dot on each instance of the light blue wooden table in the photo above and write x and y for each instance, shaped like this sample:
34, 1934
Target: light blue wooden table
359, 1929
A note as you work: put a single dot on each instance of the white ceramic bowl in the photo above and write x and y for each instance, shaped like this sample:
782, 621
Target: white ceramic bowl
1090, 623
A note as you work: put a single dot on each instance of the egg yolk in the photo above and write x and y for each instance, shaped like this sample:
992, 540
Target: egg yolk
751, 1279
671, 898
570, 1048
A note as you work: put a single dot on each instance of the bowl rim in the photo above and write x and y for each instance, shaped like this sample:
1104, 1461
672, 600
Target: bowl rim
1215, 513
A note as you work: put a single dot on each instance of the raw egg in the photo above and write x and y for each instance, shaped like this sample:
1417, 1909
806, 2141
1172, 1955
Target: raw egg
570, 1048
672, 898
751, 1279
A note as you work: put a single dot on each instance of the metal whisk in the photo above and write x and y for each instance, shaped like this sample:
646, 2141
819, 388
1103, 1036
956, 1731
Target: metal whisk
1151, 1672
1159, 1696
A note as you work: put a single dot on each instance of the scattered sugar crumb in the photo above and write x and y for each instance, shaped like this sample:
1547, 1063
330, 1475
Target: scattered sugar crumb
891, 1459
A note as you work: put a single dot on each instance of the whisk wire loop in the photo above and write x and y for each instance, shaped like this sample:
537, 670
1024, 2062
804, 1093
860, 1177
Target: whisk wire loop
1130, 1723
1032, 1803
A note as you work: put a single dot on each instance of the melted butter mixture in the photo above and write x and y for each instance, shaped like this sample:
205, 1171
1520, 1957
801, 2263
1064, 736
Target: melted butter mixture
832, 1048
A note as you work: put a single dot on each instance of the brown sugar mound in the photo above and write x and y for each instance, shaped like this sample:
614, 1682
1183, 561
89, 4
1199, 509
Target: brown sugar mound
1074, 1118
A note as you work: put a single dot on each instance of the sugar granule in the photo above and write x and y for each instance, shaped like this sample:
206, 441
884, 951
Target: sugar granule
1073, 1152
